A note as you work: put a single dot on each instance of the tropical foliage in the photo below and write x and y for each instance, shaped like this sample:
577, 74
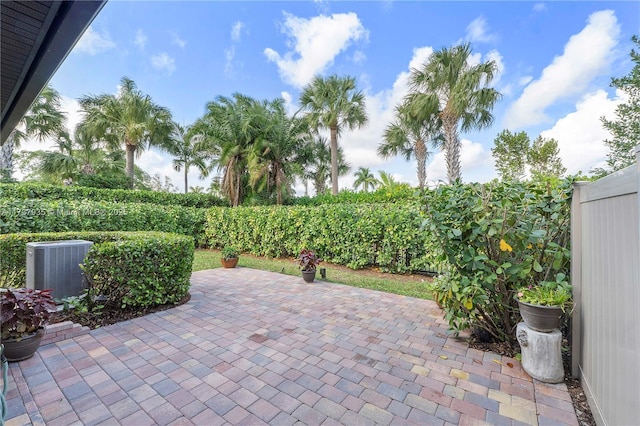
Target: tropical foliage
449, 86
129, 118
366, 179
498, 237
335, 104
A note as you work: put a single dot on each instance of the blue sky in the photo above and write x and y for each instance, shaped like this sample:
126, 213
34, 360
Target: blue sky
555, 59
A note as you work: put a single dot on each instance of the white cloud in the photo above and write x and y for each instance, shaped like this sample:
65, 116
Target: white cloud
359, 56
478, 31
175, 39
163, 62
93, 42
316, 42
539, 7
525, 80
236, 30
586, 55
476, 164
580, 134
141, 39
229, 54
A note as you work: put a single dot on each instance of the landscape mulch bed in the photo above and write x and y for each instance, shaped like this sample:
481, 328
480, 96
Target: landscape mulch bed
114, 315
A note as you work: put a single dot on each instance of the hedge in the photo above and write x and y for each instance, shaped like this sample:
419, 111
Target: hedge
33, 215
54, 192
138, 269
402, 195
355, 235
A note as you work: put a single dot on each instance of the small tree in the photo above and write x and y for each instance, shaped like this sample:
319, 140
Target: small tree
543, 158
510, 153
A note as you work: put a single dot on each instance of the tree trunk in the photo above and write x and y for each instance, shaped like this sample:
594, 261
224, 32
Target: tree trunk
421, 159
131, 150
6, 158
186, 188
452, 148
334, 160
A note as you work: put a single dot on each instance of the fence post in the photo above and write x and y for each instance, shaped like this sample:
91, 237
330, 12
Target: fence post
576, 279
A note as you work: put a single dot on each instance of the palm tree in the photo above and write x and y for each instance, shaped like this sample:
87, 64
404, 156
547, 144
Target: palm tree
334, 103
43, 120
366, 179
449, 86
318, 164
185, 146
277, 155
229, 131
130, 118
408, 135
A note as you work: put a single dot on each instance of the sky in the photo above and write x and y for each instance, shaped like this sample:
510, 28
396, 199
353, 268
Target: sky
555, 62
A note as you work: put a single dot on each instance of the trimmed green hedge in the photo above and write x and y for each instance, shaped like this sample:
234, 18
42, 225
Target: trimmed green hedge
402, 195
33, 215
355, 235
53, 192
138, 269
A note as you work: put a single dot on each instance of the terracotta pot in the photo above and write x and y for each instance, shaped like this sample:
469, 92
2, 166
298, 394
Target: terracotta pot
540, 318
229, 263
309, 276
24, 348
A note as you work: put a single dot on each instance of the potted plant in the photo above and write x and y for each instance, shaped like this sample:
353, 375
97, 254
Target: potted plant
229, 257
308, 261
23, 316
542, 305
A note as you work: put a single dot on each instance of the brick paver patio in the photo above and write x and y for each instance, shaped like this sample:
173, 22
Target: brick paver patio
254, 347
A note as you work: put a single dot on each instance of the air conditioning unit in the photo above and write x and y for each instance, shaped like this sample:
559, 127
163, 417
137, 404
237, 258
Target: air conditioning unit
55, 265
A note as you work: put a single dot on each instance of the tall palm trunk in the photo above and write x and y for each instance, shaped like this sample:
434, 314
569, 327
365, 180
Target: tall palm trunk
451, 146
334, 160
131, 150
186, 170
421, 158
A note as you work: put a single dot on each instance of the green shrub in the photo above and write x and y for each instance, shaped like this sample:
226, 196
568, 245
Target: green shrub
34, 215
355, 235
130, 268
54, 192
146, 270
498, 237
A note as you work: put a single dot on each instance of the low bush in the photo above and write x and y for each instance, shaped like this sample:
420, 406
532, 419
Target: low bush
138, 269
498, 237
355, 235
34, 215
54, 192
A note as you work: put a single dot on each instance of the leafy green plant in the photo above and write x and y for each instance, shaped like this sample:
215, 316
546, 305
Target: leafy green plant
23, 311
145, 270
498, 237
229, 252
308, 260
547, 293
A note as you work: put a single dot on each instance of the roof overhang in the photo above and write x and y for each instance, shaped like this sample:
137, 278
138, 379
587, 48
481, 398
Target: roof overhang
36, 37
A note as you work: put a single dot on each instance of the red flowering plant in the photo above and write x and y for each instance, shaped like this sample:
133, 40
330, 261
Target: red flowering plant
24, 311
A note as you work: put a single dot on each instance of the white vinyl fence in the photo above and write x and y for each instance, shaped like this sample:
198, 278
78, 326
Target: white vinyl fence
605, 272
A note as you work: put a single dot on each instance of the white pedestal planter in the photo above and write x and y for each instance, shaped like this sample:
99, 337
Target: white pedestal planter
541, 353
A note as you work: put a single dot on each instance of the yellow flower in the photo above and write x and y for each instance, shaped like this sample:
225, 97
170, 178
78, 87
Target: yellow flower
504, 246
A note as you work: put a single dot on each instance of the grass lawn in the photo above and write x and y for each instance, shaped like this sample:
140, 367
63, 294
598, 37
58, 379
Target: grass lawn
407, 285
